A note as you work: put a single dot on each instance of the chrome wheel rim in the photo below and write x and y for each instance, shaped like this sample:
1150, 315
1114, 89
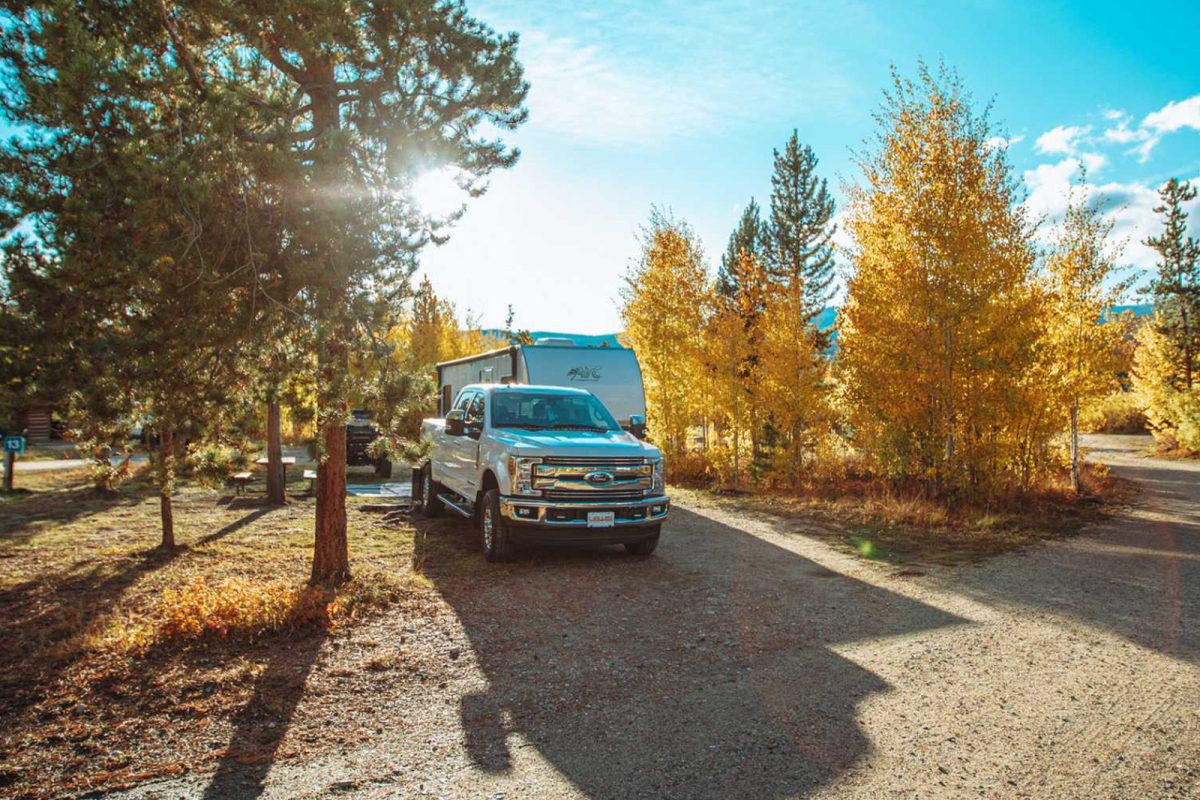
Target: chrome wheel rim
489, 529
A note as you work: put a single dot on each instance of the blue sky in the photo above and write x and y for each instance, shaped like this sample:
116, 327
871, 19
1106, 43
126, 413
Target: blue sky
679, 104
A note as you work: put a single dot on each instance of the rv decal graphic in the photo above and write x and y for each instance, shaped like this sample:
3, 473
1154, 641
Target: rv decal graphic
583, 374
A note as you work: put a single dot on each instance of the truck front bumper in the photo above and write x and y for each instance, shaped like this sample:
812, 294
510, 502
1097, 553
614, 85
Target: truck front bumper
551, 514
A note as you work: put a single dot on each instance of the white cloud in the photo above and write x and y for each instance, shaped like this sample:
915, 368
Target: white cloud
1064, 139
580, 91
1130, 206
1174, 116
1004, 142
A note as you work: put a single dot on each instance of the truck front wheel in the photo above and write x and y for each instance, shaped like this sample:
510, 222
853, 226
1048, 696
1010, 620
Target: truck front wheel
644, 547
431, 506
493, 529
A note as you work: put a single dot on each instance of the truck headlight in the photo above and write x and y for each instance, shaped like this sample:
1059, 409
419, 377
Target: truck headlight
659, 484
521, 471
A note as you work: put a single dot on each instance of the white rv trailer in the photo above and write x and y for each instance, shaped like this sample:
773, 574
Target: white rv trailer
610, 373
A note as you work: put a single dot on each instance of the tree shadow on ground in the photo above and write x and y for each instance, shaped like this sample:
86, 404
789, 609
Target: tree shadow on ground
260, 726
705, 670
1136, 574
43, 618
24, 518
40, 622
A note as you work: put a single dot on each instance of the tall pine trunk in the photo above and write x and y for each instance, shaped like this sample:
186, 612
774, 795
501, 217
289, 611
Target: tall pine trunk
331, 560
276, 486
166, 452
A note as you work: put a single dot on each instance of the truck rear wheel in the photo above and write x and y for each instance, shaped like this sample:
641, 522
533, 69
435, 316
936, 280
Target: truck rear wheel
644, 547
493, 529
431, 506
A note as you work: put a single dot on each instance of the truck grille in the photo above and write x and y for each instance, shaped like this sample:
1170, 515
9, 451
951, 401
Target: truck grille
593, 494
566, 478
593, 461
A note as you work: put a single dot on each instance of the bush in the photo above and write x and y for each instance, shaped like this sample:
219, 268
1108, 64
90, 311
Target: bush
1119, 412
244, 609
213, 463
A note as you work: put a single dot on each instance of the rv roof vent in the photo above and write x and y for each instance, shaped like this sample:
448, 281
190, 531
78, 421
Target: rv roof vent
555, 341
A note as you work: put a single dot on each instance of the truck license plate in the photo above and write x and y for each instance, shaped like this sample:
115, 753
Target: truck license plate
601, 519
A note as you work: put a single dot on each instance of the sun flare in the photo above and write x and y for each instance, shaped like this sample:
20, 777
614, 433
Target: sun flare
437, 193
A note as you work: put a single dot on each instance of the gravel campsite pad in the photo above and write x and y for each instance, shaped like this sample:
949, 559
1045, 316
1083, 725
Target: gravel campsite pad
745, 658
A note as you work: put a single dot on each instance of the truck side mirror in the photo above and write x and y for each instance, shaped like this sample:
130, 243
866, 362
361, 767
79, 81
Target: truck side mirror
456, 422
637, 426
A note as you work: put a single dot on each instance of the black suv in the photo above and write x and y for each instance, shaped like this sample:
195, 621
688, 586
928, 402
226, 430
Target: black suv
360, 432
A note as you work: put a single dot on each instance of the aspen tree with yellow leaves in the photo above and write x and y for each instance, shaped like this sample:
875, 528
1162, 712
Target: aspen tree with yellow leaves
940, 318
733, 349
1160, 386
1083, 336
791, 370
666, 300
732, 372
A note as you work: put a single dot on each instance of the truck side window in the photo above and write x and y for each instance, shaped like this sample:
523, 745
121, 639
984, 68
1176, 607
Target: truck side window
463, 399
475, 410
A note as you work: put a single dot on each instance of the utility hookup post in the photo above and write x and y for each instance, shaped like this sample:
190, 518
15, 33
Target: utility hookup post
13, 445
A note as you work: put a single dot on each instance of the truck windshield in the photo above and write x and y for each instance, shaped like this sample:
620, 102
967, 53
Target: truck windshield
535, 410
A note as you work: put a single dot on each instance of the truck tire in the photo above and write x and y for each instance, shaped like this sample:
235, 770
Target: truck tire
644, 547
494, 534
431, 506
383, 468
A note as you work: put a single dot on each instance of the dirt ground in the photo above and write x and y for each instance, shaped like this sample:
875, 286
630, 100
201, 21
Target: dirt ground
747, 658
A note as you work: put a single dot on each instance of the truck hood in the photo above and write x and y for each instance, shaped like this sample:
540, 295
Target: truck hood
617, 444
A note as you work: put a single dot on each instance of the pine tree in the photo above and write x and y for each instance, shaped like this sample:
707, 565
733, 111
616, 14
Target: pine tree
135, 267
748, 237
800, 228
1176, 288
1084, 337
940, 325
326, 111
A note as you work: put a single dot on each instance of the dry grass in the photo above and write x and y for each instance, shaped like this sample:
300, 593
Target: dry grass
101, 630
904, 525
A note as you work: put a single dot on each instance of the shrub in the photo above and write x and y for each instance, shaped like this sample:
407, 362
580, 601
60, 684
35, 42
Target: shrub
213, 463
1119, 412
244, 609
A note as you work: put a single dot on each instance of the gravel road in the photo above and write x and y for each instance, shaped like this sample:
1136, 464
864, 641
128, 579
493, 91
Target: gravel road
746, 659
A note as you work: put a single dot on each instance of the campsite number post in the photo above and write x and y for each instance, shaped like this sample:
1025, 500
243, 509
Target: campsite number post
13, 445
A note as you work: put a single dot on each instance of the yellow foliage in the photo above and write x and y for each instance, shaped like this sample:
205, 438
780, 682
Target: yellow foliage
1118, 412
666, 299
433, 332
731, 374
240, 608
792, 387
938, 334
1172, 410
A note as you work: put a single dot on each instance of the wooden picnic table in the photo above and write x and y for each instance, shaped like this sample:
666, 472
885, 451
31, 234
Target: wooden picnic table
285, 462
288, 461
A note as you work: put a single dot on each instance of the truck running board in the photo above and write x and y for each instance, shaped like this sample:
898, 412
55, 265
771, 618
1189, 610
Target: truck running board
455, 503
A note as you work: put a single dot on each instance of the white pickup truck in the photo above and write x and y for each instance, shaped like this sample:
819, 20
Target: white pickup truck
541, 464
